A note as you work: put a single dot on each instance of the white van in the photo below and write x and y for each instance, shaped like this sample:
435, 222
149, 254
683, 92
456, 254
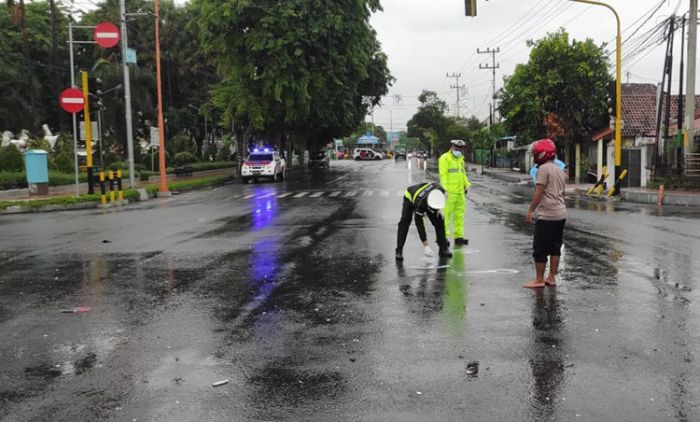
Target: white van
366, 154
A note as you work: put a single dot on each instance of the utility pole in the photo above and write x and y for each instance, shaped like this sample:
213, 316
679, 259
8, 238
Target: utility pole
690, 92
456, 86
493, 68
127, 95
679, 125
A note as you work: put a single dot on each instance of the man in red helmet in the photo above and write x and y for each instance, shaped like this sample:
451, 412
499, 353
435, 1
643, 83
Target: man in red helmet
548, 210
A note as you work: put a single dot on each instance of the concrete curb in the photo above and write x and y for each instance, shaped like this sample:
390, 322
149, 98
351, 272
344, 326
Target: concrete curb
506, 176
88, 205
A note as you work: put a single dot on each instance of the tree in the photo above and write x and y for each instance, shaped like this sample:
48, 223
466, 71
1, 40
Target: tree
564, 82
307, 68
429, 124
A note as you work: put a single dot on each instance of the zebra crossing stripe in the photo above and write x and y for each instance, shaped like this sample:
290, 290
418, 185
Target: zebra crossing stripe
384, 193
299, 195
334, 194
249, 196
267, 195
368, 193
284, 195
317, 194
351, 193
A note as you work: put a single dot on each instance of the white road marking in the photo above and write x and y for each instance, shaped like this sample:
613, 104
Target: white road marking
368, 193
249, 196
497, 271
384, 193
284, 195
299, 195
317, 194
351, 193
334, 194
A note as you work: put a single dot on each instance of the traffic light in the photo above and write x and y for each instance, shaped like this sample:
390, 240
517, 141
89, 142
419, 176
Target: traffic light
610, 96
470, 7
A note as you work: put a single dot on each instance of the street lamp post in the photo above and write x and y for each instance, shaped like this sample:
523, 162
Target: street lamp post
618, 87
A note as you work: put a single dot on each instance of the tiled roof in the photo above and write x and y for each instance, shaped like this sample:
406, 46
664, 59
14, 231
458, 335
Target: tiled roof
639, 109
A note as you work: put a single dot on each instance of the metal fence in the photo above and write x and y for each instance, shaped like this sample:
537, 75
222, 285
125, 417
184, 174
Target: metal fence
692, 165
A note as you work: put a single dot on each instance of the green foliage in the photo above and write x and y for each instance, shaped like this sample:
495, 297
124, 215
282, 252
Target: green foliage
182, 158
63, 162
567, 81
11, 159
311, 68
429, 124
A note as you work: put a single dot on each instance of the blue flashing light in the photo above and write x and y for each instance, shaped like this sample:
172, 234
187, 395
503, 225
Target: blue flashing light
267, 150
256, 150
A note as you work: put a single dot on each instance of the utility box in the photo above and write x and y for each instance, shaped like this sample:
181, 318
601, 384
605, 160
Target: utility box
37, 165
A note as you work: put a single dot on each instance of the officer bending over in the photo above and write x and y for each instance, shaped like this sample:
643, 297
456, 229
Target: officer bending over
419, 200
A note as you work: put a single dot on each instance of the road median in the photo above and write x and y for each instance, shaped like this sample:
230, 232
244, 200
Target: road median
70, 203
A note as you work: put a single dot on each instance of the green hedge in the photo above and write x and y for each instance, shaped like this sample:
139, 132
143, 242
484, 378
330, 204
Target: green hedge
18, 180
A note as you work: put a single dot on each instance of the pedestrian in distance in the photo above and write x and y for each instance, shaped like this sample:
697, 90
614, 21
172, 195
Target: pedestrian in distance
548, 212
453, 178
421, 200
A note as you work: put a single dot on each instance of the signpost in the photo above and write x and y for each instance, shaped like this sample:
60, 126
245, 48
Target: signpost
106, 35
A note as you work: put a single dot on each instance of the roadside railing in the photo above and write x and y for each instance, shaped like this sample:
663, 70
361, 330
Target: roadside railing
692, 165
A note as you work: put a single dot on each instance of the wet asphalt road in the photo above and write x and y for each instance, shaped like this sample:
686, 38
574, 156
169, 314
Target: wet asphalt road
290, 292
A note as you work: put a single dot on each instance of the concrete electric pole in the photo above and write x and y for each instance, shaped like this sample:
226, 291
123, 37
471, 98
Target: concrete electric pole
458, 87
127, 95
493, 68
690, 90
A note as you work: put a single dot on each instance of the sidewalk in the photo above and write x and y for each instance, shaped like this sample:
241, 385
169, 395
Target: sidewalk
636, 195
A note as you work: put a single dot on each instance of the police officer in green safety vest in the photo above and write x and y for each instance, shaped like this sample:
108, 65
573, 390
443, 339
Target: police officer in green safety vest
453, 179
421, 200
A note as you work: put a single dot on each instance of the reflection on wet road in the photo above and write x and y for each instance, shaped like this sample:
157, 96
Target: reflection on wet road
290, 293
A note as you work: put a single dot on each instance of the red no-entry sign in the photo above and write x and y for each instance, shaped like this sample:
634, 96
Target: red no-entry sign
72, 100
106, 35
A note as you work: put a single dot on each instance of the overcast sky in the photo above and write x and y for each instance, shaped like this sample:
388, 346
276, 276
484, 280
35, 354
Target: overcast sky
425, 40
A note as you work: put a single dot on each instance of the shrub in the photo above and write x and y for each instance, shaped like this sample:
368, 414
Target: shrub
63, 162
117, 165
11, 159
182, 158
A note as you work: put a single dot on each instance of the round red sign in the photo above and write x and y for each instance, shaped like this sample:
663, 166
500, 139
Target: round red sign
106, 35
72, 100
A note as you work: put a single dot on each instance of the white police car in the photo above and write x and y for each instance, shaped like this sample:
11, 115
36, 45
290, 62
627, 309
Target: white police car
263, 162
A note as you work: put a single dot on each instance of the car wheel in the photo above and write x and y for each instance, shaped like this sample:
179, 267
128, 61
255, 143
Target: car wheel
377, 158
245, 180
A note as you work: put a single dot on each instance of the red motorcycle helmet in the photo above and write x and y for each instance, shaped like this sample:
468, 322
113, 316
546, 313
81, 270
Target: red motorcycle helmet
544, 150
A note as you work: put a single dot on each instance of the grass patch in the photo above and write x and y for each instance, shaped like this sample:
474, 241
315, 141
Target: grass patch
33, 204
194, 183
131, 194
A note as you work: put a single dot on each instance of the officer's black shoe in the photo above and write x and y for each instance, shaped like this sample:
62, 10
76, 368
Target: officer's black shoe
399, 255
461, 241
445, 253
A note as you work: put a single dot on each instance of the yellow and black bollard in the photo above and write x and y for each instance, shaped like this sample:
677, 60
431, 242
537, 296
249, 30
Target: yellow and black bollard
119, 187
618, 184
599, 186
111, 187
103, 198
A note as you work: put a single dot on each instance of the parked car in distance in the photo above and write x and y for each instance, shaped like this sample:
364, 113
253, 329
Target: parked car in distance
319, 159
366, 154
263, 162
421, 155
